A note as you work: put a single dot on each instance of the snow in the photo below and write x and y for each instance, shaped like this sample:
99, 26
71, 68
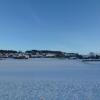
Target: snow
49, 79
49, 90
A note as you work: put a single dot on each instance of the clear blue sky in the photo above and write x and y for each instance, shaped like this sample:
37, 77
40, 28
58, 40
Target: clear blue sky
67, 25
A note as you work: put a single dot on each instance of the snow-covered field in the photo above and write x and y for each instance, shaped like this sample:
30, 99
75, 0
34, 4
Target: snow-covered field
49, 90
49, 79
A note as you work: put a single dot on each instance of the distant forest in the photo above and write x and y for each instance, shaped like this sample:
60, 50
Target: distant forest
48, 53
30, 51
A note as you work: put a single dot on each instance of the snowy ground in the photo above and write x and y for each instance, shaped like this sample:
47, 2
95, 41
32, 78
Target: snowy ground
49, 90
49, 79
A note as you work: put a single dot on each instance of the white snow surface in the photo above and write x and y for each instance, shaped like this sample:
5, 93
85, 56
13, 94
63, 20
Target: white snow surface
49, 79
49, 90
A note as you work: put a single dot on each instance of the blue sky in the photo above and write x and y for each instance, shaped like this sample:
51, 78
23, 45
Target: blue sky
67, 25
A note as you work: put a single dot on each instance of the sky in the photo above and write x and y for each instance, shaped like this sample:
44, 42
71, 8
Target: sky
66, 25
